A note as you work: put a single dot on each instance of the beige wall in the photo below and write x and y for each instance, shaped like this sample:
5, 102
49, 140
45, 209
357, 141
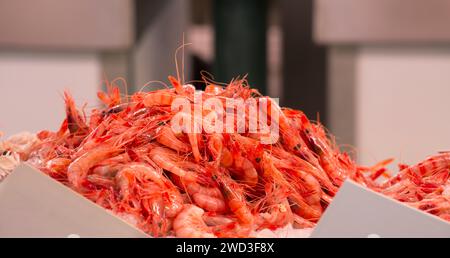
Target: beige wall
402, 102
389, 75
381, 21
154, 55
67, 24
32, 84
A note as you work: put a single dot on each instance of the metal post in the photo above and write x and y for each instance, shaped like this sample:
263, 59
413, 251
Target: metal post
240, 41
304, 62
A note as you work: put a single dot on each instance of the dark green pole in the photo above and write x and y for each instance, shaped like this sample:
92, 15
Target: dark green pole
304, 61
240, 41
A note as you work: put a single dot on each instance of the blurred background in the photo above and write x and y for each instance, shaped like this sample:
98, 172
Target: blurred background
377, 71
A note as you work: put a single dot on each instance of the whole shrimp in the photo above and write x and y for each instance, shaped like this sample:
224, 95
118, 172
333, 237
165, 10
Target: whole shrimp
158, 220
278, 211
220, 153
165, 97
439, 206
167, 160
76, 123
109, 167
246, 172
287, 160
290, 135
234, 159
307, 186
167, 138
227, 226
192, 127
209, 198
299, 204
316, 139
58, 165
235, 197
429, 166
329, 158
79, 168
189, 223
299, 180
112, 97
160, 98
209, 203
144, 172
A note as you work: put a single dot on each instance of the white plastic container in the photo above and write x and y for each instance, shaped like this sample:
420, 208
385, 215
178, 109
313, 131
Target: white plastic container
360, 212
34, 205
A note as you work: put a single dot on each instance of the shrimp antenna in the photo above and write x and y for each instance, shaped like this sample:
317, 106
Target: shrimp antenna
182, 62
207, 77
125, 85
106, 82
150, 82
182, 59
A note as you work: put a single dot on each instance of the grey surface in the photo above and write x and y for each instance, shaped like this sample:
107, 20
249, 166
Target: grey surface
304, 62
359, 212
153, 57
381, 21
341, 91
67, 24
34, 205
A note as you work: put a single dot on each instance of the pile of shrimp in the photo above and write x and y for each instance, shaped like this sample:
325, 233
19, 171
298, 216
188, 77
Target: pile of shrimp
15, 149
126, 158
425, 186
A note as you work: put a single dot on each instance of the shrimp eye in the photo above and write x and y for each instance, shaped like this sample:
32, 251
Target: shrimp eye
161, 123
258, 159
5, 153
297, 147
226, 193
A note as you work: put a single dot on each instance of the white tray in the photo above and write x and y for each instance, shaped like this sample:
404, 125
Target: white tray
359, 212
34, 205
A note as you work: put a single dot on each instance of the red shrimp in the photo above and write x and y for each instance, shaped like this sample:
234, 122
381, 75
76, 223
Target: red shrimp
170, 194
189, 223
299, 205
437, 206
159, 98
288, 160
213, 89
209, 198
214, 219
58, 165
429, 166
112, 98
246, 171
76, 123
209, 203
79, 168
167, 160
192, 132
279, 213
215, 146
101, 180
170, 161
167, 138
235, 197
302, 223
